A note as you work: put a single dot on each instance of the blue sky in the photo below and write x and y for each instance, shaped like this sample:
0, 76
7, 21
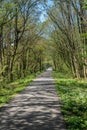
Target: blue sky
43, 15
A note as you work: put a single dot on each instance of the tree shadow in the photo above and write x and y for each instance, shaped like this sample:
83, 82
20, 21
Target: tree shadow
35, 108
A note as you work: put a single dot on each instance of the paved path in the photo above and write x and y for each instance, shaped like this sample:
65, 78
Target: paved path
35, 108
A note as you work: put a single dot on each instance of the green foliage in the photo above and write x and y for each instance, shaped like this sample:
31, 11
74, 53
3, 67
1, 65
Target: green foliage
85, 5
22, 49
84, 35
8, 91
62, 75
73, 95
69, 35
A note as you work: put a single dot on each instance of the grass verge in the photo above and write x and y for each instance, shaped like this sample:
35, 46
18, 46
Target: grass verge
73, 94
8, 91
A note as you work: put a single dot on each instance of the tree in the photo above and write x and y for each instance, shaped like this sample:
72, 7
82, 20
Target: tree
19, 32
68, 26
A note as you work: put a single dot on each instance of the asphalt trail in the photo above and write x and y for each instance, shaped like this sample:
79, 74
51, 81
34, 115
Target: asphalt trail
36, 108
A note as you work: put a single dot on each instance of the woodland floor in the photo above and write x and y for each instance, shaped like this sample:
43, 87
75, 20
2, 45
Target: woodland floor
36, 108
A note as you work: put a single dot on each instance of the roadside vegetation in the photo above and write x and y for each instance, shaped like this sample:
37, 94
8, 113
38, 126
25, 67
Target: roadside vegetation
73, 95
8, 91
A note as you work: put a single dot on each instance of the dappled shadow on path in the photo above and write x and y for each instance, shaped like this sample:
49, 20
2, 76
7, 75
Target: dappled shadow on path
35, 108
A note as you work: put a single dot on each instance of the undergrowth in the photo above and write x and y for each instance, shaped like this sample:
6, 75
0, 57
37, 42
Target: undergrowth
9, 90
73, 94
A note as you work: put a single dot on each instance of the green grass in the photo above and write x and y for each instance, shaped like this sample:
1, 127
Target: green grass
73, 94
8, 91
